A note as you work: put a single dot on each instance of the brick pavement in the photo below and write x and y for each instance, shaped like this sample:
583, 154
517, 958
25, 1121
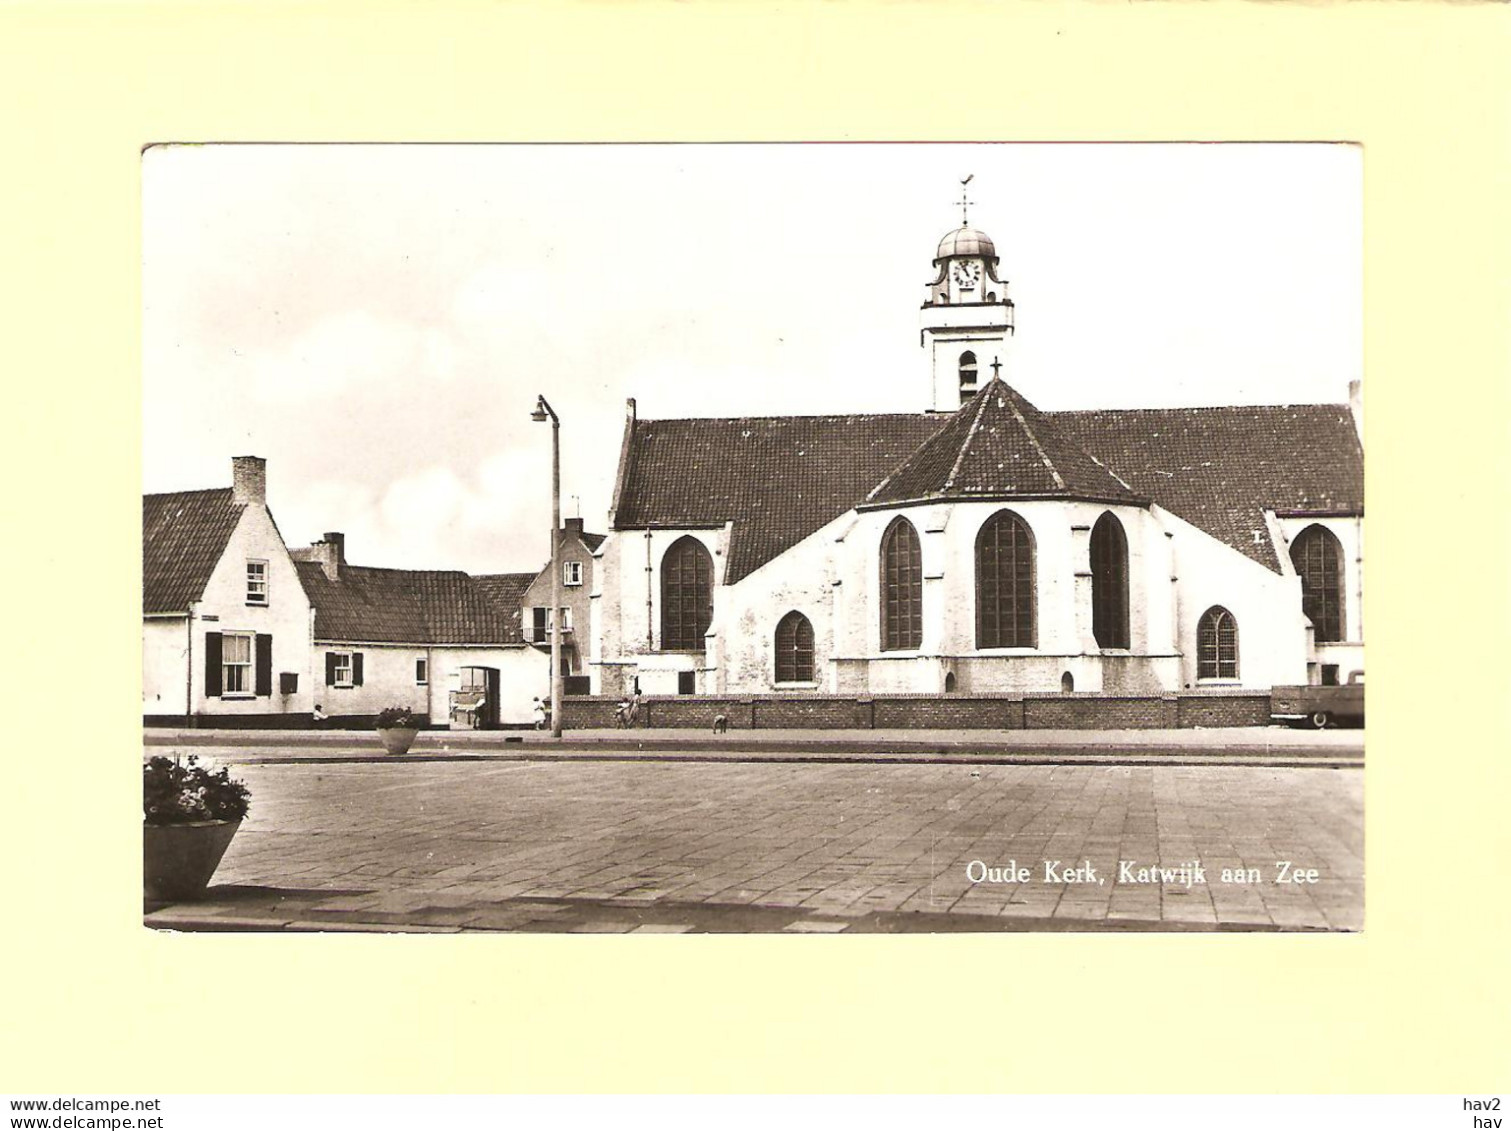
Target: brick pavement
654, 847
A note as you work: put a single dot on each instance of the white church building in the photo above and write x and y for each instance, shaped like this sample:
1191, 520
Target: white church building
982, 545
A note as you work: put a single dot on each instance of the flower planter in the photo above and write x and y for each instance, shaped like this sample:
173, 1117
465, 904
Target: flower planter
397, 740
178, 860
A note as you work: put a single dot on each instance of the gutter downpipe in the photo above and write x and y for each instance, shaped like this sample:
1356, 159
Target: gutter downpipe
189, 665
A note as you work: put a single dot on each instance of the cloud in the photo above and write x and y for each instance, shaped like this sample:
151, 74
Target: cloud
351, 351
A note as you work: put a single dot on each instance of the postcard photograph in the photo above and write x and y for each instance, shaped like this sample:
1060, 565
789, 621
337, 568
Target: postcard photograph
781, 538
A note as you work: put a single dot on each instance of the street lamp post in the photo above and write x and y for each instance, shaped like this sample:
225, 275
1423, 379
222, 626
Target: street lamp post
543, 412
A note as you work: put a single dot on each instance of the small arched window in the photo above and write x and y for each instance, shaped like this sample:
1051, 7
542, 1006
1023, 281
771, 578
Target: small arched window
687, 595
1067, 683
1217, 645
901, 588
1318, 557
1004, 583
794, 649
1109, 583
967, 374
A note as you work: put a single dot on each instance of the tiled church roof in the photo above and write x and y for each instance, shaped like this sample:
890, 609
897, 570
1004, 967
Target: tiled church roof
184, 533
778, 479
411, 606
999, 445
1221, 468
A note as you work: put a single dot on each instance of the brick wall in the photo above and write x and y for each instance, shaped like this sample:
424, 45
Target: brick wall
923, 712
1097, 712
695, 712
813, 713
1224, 710
935, 713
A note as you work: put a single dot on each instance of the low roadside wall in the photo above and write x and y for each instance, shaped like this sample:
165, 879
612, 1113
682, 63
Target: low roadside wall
840, 712
932, 712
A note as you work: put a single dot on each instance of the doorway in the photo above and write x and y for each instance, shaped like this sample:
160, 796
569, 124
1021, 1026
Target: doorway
474, 706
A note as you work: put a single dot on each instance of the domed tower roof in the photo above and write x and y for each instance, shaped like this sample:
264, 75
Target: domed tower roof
966, 241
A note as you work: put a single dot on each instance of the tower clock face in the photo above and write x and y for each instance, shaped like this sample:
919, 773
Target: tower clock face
967, 274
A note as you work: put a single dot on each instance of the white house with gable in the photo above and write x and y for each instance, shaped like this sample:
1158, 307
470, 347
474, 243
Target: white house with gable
225, 619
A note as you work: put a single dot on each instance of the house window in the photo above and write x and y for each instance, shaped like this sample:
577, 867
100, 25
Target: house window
571, 573
794, 649
901, 588
1217, 645
1318, 557
687, 606
1004, 583
1109, 583
343, 669
257, 583
421, 671
236, 663
566, 618
539, 618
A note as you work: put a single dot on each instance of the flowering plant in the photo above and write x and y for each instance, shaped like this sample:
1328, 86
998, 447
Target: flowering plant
399, 718
175, 793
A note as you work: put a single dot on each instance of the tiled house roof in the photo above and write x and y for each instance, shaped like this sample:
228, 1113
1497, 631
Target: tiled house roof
184, 534
998, 445
593, 541
1221, 468
778, 479
506, 592
407, 606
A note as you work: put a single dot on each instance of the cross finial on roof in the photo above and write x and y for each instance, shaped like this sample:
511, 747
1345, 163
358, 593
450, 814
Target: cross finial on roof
996, 367
964, 203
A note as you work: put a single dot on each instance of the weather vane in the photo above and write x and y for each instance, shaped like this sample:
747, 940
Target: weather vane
964, 203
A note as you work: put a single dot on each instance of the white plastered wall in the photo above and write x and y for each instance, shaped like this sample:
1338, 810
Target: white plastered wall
1348, 653
1266, 605
224, 608
626, 614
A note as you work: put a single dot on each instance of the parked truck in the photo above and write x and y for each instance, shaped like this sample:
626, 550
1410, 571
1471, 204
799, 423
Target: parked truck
1320, 705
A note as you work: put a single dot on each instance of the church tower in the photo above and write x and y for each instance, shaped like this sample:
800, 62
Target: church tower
967, 321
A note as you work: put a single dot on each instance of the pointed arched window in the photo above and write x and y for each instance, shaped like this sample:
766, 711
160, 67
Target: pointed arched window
1318, 557
901, 588
967, 375
687, 595
1217, 645
1004, 583
794, 649
1109, 583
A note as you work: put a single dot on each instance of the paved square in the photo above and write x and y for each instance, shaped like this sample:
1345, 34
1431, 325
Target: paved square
812, 848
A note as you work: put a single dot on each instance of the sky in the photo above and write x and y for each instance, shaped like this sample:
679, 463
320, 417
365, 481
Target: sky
377, 321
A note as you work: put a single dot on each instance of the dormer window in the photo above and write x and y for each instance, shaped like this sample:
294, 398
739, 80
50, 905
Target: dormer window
257, 583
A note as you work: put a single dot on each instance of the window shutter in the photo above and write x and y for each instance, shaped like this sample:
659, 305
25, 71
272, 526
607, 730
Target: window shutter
330, 669
356, 669
212, 664
264, 665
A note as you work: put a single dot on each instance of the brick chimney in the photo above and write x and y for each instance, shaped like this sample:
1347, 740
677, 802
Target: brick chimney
574, 527
249, 480
330, 552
